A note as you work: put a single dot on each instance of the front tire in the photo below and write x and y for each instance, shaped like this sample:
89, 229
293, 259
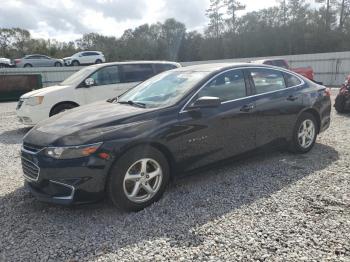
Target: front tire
138, 179
304, 134
58, 64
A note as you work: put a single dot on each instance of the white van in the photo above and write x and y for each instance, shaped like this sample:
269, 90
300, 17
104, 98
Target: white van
92, 83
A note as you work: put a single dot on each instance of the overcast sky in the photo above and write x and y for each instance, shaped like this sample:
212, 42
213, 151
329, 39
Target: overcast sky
67, 20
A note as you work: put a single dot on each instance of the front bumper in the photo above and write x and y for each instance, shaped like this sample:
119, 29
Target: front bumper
71, 181
31, 115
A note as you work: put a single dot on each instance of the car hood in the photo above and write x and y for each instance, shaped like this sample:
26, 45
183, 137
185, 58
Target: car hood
43, 91
87, 124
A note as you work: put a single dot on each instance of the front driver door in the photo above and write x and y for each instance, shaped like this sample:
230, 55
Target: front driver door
106, 82
211, 134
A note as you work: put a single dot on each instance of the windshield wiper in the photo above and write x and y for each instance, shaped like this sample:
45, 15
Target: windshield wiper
133, 103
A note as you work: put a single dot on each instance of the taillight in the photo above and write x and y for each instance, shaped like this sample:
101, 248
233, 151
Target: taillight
327, 92
17, 61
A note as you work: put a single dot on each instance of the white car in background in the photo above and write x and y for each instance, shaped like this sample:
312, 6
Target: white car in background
5, 62
85, 58
90, 84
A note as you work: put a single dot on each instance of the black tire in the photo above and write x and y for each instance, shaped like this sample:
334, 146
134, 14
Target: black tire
295, 144
75, 63
58, 64
4, 65
61, 108
115, 183
339, 104
98, 61
28, 65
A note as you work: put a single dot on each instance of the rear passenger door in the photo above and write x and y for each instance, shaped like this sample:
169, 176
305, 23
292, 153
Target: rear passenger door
278, 102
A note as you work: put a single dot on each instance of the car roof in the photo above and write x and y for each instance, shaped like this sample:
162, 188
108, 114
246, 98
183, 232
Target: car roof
135, 62
212, 67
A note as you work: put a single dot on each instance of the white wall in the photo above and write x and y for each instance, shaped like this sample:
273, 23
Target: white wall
329, 68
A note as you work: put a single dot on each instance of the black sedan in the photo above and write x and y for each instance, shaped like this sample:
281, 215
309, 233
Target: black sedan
131, 146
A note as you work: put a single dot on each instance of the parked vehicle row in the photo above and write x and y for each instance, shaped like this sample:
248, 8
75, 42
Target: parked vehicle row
37, 60
130, 146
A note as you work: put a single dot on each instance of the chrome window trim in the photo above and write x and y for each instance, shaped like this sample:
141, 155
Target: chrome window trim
183, 110
29, 178
72, 188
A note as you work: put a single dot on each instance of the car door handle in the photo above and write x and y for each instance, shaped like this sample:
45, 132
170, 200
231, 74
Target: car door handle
292, 98
247, 108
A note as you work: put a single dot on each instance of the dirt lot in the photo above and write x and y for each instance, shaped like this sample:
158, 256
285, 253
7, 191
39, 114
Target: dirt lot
269, 207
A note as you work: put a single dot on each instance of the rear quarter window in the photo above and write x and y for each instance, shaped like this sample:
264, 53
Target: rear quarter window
292, 80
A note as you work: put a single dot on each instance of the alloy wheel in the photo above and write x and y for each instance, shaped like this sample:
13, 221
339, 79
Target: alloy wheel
306, 134
142, 180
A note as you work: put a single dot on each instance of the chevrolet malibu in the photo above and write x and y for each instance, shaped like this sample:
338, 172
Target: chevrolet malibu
131, 146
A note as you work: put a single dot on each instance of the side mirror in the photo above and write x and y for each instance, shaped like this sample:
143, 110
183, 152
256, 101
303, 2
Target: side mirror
89, 82
206, 102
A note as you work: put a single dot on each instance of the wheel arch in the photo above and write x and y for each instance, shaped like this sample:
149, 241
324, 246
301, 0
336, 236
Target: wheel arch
159, 146
316, 114
61, 103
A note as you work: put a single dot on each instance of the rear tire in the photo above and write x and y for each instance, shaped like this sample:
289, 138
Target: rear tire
340, 104
58, 64
28, 65
304, 134
98, 61
132, 184
61, 108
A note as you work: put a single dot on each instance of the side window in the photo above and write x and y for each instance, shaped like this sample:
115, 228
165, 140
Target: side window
267, 80
291, 80
163, 67
106, 76
137, 72
280, 63
268, 62
227, 86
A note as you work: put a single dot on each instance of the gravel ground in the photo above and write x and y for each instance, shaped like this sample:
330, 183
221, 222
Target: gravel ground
269, 207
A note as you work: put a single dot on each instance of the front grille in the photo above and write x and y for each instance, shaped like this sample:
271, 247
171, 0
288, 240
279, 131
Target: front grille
32, 148
30, 170
19, 104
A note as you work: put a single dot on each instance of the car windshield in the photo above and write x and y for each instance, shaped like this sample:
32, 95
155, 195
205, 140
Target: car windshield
78, 76
163, 90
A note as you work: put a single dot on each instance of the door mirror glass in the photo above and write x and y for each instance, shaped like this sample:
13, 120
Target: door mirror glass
206, 102
89, 82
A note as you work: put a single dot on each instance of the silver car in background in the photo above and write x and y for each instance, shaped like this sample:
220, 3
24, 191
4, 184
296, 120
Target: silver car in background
38, 61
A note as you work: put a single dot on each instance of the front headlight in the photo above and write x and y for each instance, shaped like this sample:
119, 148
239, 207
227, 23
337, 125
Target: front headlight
71, 152
34, 100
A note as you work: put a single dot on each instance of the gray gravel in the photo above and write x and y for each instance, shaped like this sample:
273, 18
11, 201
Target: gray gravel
273, 206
